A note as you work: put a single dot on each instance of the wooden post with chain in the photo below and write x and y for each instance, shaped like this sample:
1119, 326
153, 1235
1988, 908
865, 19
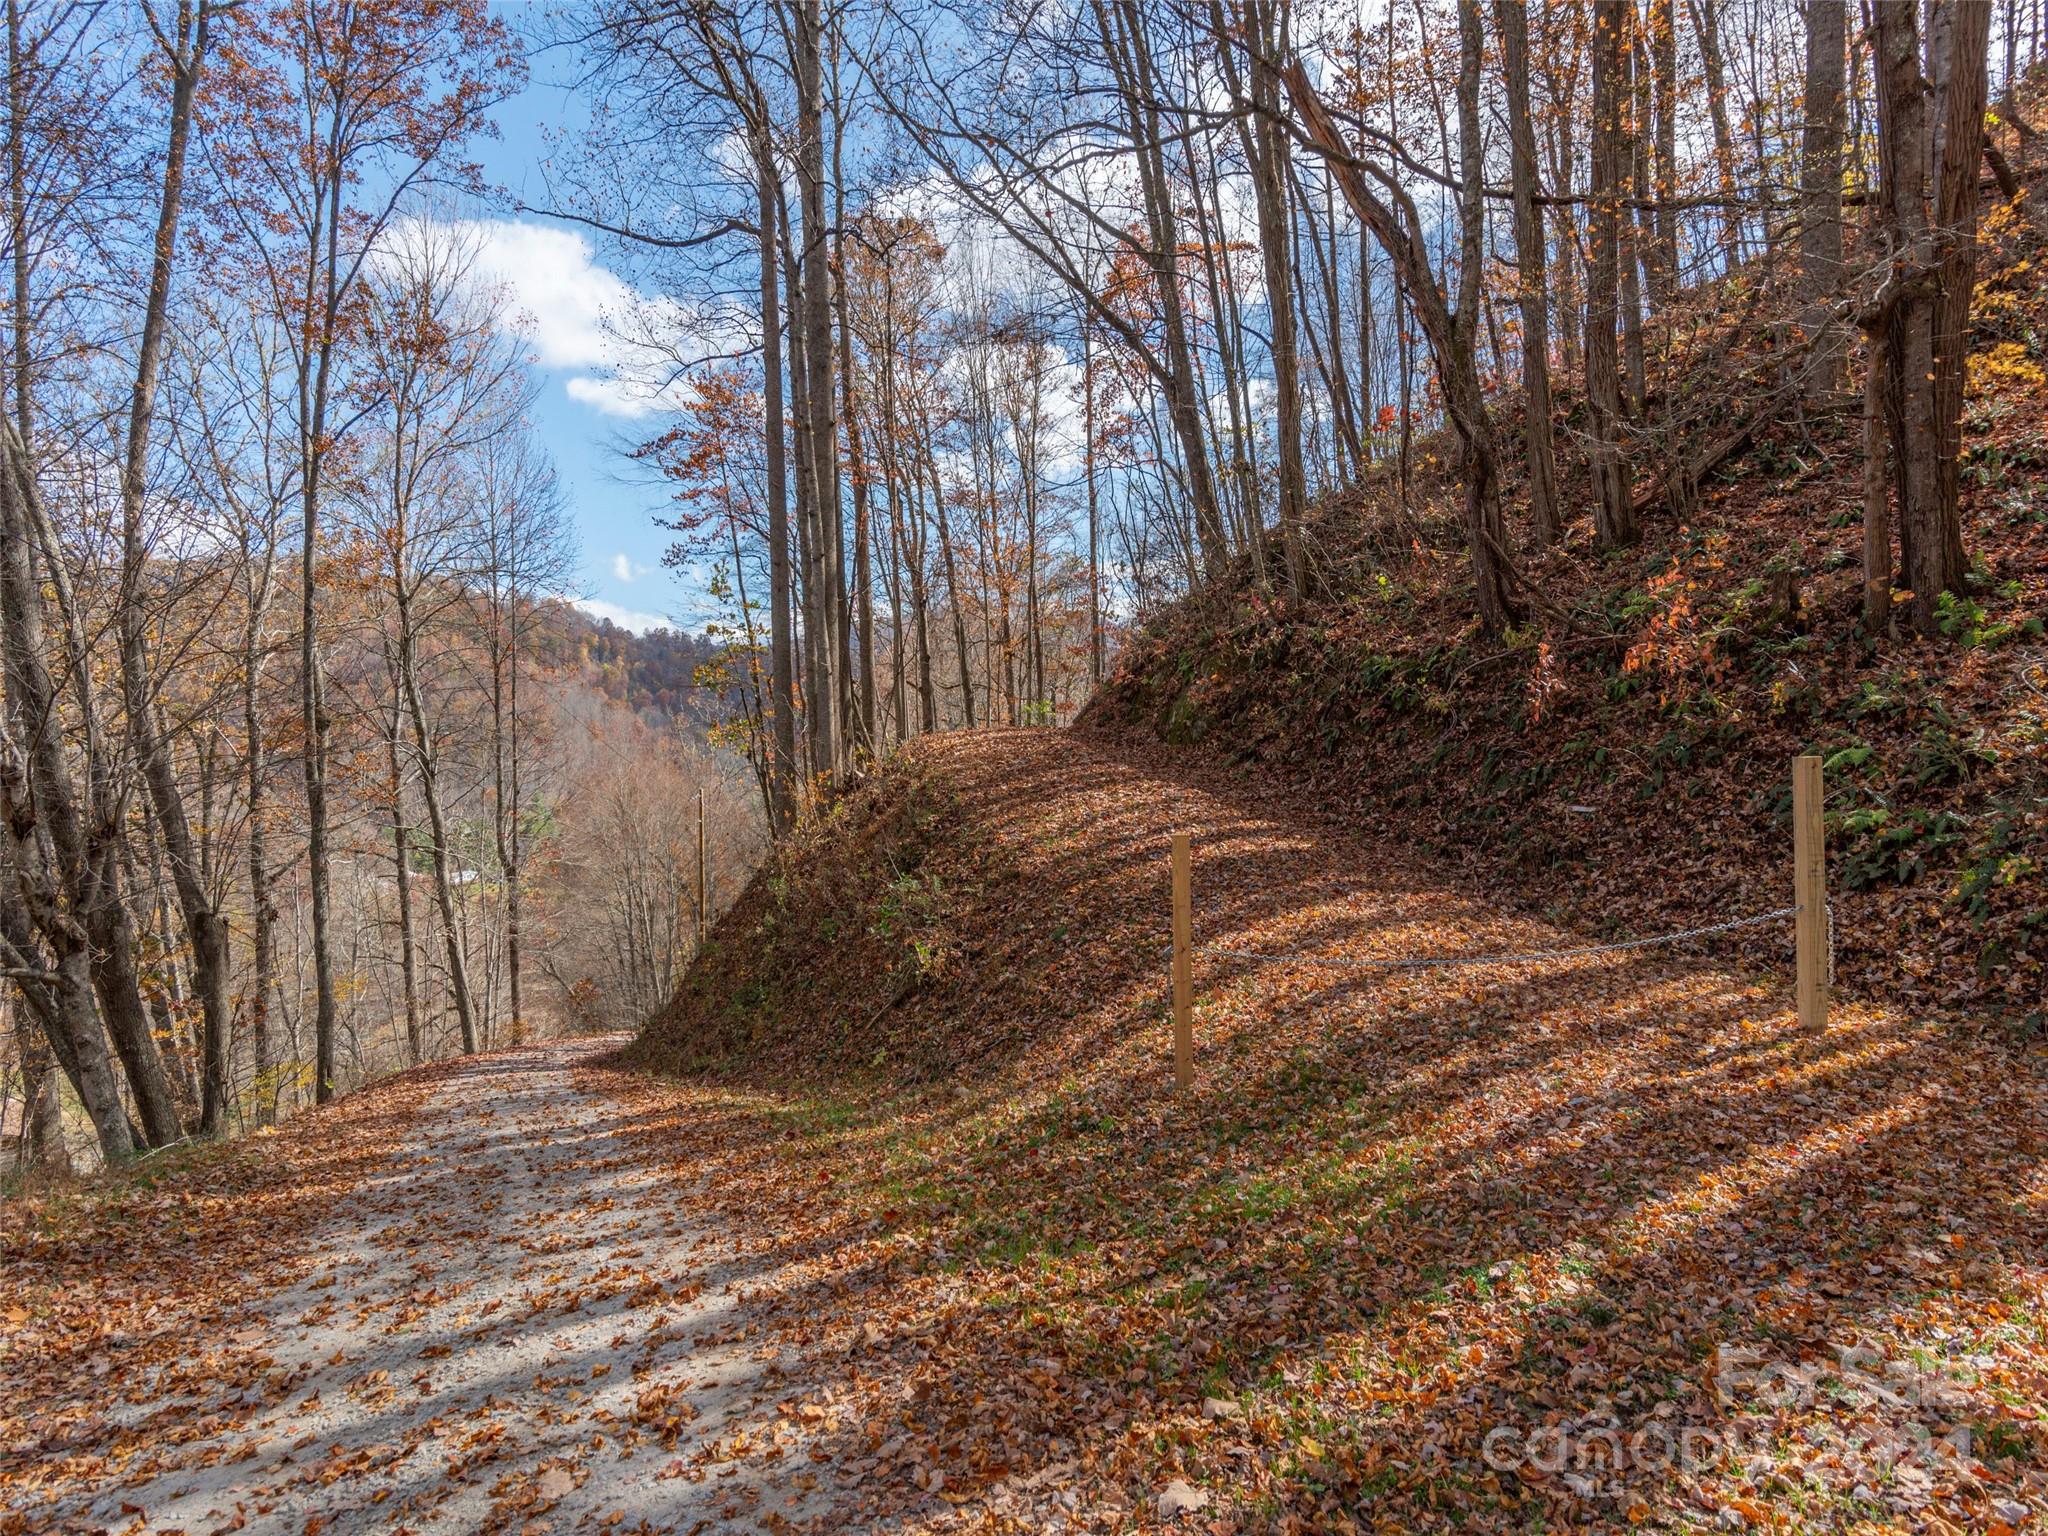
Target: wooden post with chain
1810, 891
1183, 964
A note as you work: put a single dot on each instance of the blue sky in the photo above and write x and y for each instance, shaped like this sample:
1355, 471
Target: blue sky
560, 280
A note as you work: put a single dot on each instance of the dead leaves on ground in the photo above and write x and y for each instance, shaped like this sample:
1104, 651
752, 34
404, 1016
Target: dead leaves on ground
119, 1336
1400, 1213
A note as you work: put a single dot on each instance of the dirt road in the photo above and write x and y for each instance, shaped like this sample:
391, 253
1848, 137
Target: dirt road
512, 1325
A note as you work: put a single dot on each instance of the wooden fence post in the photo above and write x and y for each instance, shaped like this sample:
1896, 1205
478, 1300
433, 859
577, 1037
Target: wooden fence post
1810, 891
701, 913
1183, 964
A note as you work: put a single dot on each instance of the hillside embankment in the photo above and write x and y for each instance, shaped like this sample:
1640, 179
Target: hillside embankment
1411, 1237
1620, 761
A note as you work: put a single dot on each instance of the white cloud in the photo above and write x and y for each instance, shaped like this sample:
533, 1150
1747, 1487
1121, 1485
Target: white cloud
633, 619
622, 348
622, 568
563, 295
621, 394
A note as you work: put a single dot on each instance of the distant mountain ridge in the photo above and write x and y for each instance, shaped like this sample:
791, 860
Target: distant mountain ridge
656, 673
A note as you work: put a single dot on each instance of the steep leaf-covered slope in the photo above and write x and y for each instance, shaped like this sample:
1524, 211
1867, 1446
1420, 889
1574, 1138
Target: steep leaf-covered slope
1405, 1226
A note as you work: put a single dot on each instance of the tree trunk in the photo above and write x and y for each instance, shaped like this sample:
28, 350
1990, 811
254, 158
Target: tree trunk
1635, 94
1267, 19
781, 639
863, 576
1613, 511
45, 833
1877, 530
820, 401
1401, 236
1929, 210
511, 851
427, 760
1663, 40
1706, 20
119, 989
946, 554
315, 375
401, 869
262, 909
1471, 176
1820, 187
1095, 649
42, 1130
1127, 45
205, 930
1962, 91
1533, 293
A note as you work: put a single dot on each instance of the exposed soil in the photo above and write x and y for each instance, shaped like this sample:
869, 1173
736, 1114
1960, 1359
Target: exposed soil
511, 1322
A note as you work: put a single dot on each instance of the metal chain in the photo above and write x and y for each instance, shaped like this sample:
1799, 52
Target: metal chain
1528, 958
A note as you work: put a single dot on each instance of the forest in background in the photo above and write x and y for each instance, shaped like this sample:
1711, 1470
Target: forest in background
1122, 291
980, 332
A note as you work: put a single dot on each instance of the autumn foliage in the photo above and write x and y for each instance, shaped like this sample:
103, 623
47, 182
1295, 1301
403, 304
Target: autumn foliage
1400, 1212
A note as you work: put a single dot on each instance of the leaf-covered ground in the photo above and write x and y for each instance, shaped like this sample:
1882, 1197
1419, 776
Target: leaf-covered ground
1689, 1268
914, 1233
472, 1300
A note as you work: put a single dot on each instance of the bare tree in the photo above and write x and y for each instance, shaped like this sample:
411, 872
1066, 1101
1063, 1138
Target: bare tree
1613, 510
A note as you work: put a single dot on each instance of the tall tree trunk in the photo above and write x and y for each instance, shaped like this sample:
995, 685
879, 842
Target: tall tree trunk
426, 759
1236, 456
315, 378
1706, 21
1125, 40
781, 638
1962, 87
898, 498
820, 400
1877, 528
1268, 22
863, 575
118, 986
511, 849
42, 1129
1571, 329
917, 553
40, 809
1635, 92
1332, 368
1532, 292
205, 930
1928, 193
74, 877
892, 561
946, 554
262, 909
1366, 375
1403, 346
1094, 518
1820, 186
1401, 236
1471, 177
401, 869
1663, 50
1613, 510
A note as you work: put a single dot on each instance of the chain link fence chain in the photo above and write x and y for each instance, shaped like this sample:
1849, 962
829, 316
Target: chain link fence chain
1531, 957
